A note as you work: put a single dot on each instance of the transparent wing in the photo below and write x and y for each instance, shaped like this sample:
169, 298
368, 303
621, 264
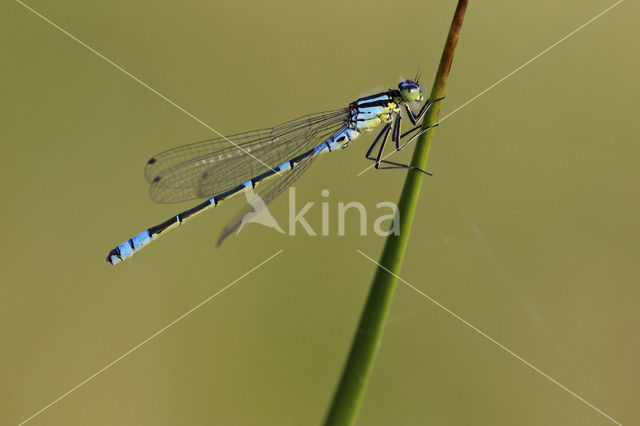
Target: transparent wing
205, 168
268, 192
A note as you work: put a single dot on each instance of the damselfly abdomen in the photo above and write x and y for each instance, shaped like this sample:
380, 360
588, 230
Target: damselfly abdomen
219, 168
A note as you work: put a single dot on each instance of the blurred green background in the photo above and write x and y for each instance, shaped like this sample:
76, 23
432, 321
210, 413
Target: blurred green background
529, 229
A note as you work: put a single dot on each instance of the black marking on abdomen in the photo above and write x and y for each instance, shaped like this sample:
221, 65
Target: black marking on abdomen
228, 193
301, 157
164, 225
114, 252
131, 244
188, 213
263, 176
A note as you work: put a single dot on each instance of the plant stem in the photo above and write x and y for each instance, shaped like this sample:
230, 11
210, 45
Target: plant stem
350, 391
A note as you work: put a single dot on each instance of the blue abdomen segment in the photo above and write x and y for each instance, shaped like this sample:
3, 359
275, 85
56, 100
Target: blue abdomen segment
134, 244
338, 140
128, 248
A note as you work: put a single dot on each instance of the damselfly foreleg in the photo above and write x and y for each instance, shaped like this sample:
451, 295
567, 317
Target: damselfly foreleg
382, 139
413, 117
420, 131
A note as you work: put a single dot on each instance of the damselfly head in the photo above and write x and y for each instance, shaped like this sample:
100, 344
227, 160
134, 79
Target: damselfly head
410, 91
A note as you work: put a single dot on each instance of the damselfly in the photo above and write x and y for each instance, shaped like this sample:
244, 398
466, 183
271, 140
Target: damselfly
221, 167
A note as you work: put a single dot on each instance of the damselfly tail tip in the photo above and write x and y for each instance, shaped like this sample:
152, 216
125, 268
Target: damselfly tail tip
113, 258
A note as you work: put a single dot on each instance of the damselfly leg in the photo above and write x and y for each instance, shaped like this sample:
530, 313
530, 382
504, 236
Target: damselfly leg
413, 117
382, 139
396, 137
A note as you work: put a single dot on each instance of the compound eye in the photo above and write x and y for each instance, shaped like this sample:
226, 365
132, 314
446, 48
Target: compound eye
410, 93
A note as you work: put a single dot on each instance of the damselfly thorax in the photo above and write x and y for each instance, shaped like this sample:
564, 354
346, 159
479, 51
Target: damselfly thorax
219, 168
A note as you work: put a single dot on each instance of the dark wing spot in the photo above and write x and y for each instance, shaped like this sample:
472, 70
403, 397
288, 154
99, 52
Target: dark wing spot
156, 179
151, 161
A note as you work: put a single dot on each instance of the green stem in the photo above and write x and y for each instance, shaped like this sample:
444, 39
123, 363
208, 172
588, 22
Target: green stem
353, 383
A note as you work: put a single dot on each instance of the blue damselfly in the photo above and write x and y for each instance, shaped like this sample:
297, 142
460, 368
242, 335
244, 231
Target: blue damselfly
219, 168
